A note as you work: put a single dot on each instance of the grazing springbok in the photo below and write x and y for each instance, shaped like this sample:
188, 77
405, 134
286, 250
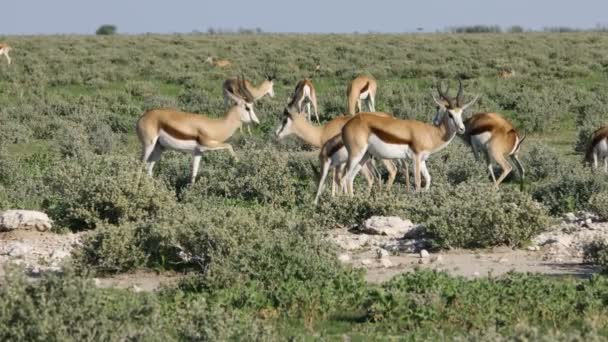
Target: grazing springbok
317, 136
359, 89
487, 133
162, 129
598, 148
231, 87
220, 63
506, 73
304, 93
4, 50
389, 138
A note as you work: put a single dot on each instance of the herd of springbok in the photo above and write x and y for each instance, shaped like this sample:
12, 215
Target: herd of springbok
347, 142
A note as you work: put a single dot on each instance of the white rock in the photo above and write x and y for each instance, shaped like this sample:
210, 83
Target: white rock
424, 254
392, 226
366, 262
59, 254
381, 253
386, 262
570, 217
503, 260
351, 242
344, 257
476, 274
533, 248
437, 259
15, 249
24, 219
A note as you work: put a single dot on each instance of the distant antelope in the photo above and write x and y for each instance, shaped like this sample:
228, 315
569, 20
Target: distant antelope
231, 86
317, 136
506, 73
220, 63
162, 129
488, 133
4, 50
304, 93
389, 138
362, 88
598, 148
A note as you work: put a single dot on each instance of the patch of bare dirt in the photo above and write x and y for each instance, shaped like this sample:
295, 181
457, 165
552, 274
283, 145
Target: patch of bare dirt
557, 252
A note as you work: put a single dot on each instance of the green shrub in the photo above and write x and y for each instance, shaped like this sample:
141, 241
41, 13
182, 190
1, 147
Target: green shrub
570, 191
598, 203
477, 215
112, 189
111, 249
425, 300
541, 162
596, 252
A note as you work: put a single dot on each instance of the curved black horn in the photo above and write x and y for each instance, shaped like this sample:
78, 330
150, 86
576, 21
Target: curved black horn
459, 95
444, 95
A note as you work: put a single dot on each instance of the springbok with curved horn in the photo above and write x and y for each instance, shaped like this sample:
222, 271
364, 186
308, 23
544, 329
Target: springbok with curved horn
304, 93
232, 86
598, 148
162, 129
490, 134
362, 88
317, 136
4, 50
390, 138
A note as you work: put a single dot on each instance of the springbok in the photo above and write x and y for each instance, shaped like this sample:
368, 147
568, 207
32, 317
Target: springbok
598, 148
220, 63
488, 133
390, 138
317, 136
231, 87
4, 50
161, 129
506, 73
359, 89
304, 93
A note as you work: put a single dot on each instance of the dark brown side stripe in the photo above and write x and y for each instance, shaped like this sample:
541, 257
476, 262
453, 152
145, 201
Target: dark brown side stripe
177, 134
481, 129
365, 87
389, 138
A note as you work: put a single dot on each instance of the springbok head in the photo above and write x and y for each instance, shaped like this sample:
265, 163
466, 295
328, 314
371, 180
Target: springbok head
244, 102
453, 107
270, 84
285, 127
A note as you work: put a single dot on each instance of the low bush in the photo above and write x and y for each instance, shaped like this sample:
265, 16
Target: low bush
598, 203
424, 300
97, 189
473, 215
596, 252
570, 191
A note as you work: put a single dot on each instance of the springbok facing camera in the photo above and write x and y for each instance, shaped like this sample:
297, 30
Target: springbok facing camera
598, 148
233, 86
390, 138
162, 129
490, 134
304, 93
4, 50
362, 88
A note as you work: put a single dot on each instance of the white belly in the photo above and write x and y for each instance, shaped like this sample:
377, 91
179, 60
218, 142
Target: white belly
480, 141
601, 149
169, 142
382, 150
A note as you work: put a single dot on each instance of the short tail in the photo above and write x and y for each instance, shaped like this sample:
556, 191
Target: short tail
521, 140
